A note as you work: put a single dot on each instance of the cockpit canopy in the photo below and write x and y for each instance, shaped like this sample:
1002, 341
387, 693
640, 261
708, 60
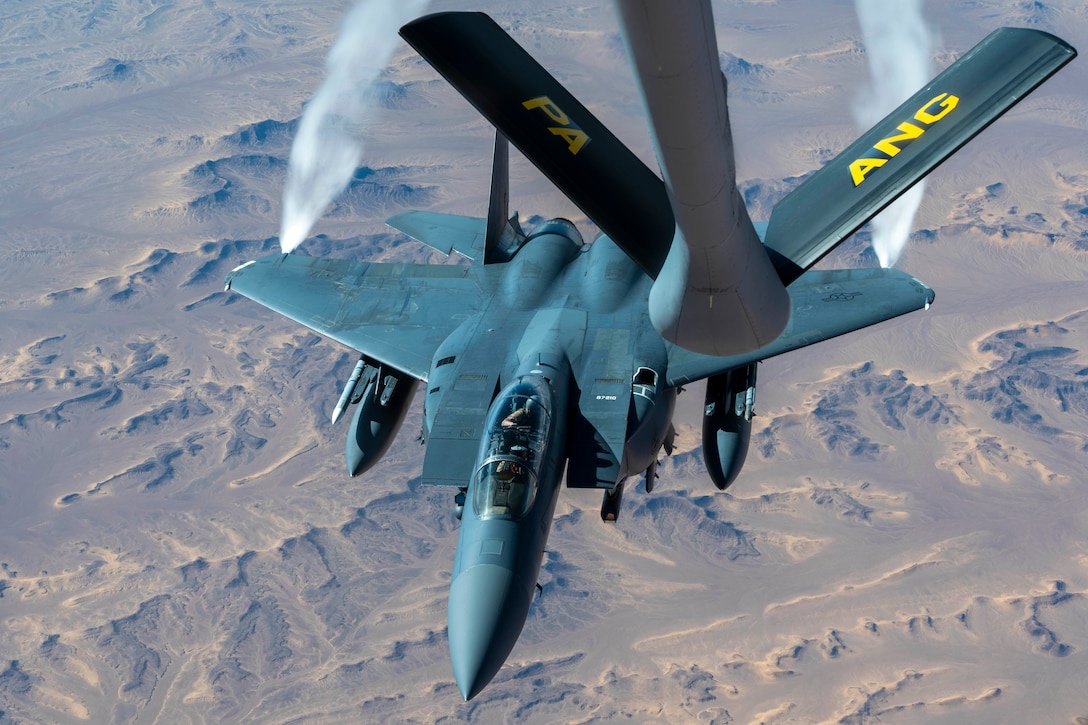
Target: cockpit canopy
512, 451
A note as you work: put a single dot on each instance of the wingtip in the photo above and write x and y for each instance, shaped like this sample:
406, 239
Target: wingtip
231, 274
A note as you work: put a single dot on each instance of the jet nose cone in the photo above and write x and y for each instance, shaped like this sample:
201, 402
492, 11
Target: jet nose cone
485, 620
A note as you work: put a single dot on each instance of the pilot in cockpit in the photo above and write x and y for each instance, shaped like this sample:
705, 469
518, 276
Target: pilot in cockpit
515, 430
518, 418
524, 415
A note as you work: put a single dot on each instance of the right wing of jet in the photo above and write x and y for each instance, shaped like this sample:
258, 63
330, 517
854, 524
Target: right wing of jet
397, 314
826, 304
930, 126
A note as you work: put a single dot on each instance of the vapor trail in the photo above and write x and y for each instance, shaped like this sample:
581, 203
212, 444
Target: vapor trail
898, 47
329, 144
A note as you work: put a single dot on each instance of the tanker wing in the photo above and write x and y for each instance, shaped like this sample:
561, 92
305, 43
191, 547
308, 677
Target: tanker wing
552, 129
910, 142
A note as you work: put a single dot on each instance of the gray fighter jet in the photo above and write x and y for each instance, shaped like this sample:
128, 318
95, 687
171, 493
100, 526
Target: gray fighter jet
546, 356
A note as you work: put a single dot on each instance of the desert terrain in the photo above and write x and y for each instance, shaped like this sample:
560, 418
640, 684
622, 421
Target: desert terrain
179, 541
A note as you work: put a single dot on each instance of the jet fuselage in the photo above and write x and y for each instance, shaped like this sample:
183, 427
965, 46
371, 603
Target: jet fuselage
552, 297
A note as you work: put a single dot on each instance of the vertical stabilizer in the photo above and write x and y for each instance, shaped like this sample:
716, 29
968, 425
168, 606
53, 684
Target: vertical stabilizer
499, 230
718, 292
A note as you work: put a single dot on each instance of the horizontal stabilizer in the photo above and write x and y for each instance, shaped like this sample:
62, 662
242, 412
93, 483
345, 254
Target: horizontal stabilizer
826, 304
552, 129
936, 121
445, 233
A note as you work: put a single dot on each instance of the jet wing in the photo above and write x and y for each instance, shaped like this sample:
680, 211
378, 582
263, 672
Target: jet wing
397, 314
826, 304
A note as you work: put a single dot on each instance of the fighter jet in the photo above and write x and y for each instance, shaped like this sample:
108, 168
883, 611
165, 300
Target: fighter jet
546, 357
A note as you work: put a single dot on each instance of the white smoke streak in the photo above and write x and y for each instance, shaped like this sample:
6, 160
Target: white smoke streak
898, 45
329, 144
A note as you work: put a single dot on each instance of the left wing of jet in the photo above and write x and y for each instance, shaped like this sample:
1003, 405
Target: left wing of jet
397, 314
825, 304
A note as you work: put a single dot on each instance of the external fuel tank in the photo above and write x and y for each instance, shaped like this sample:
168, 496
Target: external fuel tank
727, 423
378, 415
